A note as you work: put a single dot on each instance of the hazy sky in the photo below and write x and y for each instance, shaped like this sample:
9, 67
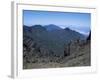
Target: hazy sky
77, 21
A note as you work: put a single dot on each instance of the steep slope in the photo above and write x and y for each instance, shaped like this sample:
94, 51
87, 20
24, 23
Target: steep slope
52, 40
39, 43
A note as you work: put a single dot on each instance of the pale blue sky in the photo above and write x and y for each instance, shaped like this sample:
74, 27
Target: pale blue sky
80, 21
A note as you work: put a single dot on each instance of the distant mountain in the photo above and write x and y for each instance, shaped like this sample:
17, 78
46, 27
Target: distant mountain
33, 28
79, 35
67, 29
38, 28
26, 28
49, 38
52, 27
81, 29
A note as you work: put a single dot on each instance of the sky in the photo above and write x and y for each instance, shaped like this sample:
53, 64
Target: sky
80, 22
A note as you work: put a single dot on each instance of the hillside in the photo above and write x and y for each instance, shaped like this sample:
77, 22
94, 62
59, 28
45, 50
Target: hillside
43, 46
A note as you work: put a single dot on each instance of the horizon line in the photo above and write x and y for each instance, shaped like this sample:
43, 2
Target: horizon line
67, 26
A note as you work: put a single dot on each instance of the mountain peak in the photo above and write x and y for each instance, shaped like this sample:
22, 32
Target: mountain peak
35, 28
51, 27
67, 29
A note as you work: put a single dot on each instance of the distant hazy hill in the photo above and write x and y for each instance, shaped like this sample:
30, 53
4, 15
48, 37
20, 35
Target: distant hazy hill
52, 27
74, 33
50, 37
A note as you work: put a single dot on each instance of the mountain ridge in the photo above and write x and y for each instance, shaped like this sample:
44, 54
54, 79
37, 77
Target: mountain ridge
53, 40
